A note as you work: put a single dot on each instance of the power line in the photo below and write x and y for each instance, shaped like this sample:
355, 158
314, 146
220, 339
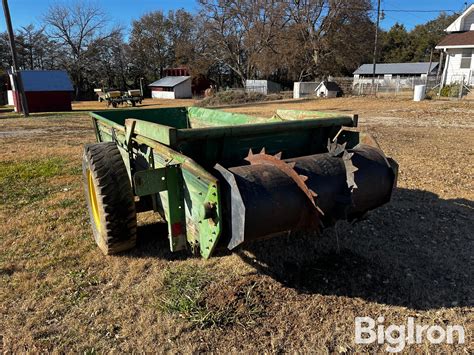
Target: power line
418, 11
375, 44
388, 10
411, 14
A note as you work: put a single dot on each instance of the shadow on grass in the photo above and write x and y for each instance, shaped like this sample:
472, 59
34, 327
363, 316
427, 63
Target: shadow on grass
10, 115
4, 109
415, 252
152, 241
6, 113
120, 107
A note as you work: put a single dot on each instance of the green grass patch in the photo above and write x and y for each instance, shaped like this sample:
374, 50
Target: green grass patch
25, 182
192, 293
183, 290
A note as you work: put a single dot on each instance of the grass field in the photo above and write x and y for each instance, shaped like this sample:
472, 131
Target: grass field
410, 258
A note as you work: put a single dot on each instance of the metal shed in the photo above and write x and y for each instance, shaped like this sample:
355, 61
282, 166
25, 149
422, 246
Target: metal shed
263, 86
171, 87
410, 69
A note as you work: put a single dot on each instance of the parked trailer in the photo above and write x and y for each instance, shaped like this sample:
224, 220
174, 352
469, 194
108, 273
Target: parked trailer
221, 180
115, 98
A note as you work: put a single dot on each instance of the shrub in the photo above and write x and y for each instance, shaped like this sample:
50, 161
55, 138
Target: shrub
452, 90
235, 97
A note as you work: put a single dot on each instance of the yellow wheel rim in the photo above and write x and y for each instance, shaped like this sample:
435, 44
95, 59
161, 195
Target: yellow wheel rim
93, 200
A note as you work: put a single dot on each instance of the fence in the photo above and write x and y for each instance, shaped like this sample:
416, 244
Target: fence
404, 86
396, 86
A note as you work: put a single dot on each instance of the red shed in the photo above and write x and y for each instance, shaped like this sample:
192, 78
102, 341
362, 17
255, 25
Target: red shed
46, 90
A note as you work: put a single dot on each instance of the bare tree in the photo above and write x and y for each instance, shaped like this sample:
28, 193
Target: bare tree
36, 50
328, 31
76, 27
150, 44
241, 32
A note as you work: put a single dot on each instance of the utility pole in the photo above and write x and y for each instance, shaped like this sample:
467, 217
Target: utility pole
429, 68
16, 76
375, 46
141, 86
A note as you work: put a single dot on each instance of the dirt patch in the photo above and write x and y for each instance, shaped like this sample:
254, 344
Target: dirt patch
239, 301
197, 295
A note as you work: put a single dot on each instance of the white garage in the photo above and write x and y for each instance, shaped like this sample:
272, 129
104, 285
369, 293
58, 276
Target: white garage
172, 87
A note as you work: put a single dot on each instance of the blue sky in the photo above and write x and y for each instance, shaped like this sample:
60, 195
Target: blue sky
24, 12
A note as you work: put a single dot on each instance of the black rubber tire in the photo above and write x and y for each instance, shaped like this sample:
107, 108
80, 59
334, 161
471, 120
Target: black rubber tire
114, 225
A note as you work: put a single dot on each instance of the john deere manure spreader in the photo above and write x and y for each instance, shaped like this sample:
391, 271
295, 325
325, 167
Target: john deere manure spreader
221, 179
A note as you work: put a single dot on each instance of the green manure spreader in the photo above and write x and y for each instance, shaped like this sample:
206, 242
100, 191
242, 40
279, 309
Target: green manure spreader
221, 180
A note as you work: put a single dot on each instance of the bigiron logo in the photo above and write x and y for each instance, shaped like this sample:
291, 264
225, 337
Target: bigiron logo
368, 331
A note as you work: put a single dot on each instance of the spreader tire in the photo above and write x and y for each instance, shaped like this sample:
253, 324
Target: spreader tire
109, 198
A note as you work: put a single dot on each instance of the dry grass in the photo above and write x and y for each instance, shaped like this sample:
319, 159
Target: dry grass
412, 257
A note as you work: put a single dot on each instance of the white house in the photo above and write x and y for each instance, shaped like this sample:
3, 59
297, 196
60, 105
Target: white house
458, 46
172, 87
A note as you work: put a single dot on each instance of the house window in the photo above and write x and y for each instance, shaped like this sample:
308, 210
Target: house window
466, 59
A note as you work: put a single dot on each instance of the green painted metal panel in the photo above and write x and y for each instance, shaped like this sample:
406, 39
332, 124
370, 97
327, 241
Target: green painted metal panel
202, 202
210, 226
260, 128
176, 117
155, 131
148, 182
175, 207
231, 151
203, 117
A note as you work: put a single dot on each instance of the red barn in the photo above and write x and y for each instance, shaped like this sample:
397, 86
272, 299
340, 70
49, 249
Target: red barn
46, 90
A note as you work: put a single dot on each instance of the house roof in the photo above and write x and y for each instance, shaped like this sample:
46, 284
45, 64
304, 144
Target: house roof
330, 86
460, 39
45, 80
459, 24
396, 68
170, 81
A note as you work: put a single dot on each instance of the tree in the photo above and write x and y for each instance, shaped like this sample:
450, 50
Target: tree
150, 44
77, 27
242, 32
158, 41
396, 45
333, 34
35, 49
399, 45
425, 37
182, 32
5, 54
107, 62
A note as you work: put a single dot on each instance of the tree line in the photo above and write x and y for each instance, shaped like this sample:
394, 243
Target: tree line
227, 41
